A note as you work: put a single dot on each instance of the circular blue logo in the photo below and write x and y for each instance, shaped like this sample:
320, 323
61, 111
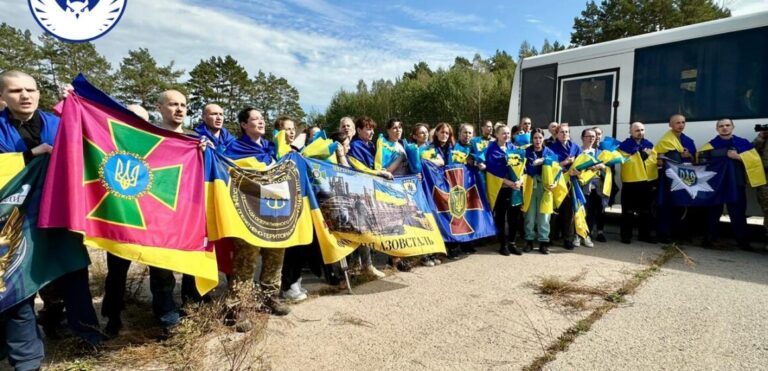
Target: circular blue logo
125, 175
77, 20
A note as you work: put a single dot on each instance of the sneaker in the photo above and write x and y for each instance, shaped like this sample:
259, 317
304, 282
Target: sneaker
427, 262
544, 247
293, 295
374, 272
528, 246
296, 286
437, 261
588, 242
601, 237
504, 251
577, 241
277, 307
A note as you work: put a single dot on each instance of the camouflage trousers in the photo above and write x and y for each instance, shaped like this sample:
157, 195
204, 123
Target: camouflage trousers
244, 266
762, 199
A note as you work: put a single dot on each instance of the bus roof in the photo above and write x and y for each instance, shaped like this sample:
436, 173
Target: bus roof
725, 25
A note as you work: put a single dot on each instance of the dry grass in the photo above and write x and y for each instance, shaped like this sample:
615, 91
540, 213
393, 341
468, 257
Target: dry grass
610, 301
200, 341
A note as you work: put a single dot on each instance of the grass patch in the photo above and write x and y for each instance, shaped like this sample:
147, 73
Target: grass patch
200, 341
555, 287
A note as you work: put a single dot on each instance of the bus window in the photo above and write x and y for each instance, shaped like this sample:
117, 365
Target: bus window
538, 97
704, 79
587, 100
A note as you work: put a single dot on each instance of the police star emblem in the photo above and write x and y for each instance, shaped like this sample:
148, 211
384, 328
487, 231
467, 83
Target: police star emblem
692, 179
127, 177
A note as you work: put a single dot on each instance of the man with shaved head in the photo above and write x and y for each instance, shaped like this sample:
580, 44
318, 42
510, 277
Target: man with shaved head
172, 106
212, 128
677, 147
27, 130
638, 175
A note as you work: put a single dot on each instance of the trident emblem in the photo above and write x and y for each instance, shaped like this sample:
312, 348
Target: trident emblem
276, 204
126, 176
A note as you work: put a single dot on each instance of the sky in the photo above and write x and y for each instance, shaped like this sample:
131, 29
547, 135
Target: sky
322, 46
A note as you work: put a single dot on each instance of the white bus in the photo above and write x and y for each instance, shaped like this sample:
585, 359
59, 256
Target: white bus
705, 71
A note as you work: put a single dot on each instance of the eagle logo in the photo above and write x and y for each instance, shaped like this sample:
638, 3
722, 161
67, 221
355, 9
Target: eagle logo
12, 247
77, 20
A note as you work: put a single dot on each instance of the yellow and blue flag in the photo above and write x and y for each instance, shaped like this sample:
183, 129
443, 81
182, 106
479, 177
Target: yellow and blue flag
348, 212
267, 208
321, 148
753, 164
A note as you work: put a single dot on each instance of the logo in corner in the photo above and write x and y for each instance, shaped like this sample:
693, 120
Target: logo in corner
77, 20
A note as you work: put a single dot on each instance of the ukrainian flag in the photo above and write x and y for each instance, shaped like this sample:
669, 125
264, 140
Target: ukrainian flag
753, 164
11, 164
582, 163
552, 173
281, 144
383, 193
226, 218
579, 211
386, 153
413, 154
321, 148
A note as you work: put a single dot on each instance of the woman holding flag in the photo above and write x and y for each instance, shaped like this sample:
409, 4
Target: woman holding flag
538, 200
362, 157
504, 166
566, 152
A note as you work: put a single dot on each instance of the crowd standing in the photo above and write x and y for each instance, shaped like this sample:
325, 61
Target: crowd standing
523, 205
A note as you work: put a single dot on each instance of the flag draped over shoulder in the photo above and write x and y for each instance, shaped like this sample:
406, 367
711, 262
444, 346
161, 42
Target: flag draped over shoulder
503, 164
460, 205
552, 173
31, 257
753, 165
266, 208
351, 209
128, 187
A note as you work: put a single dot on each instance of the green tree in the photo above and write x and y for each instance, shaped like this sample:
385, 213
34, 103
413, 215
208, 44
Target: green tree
62, 62
222, 81
141, 80
18, 51
527, 50
617, 19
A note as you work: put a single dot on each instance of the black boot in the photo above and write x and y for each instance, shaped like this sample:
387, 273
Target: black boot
503, 250
544, 247
512, 247
528, 246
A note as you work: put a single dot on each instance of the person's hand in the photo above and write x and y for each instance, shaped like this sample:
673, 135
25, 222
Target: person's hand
574, 172
648, 151
538, 161
551, 186
598, 167
386, 174
65, 90
419, 176
481, 166
41, 149
686, 154
733, 155
205, 142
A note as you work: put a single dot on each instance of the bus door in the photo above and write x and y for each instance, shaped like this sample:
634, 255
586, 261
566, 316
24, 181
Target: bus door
589, 99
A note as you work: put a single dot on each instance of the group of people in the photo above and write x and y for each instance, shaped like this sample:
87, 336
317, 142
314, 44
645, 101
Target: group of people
521, 203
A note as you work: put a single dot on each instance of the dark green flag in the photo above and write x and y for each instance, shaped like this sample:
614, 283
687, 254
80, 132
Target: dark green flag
31, 257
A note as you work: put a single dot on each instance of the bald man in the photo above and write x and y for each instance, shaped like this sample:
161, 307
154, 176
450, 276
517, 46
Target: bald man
26, 129
212, 128
678, 147
638, 175
139, 111
172, 106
